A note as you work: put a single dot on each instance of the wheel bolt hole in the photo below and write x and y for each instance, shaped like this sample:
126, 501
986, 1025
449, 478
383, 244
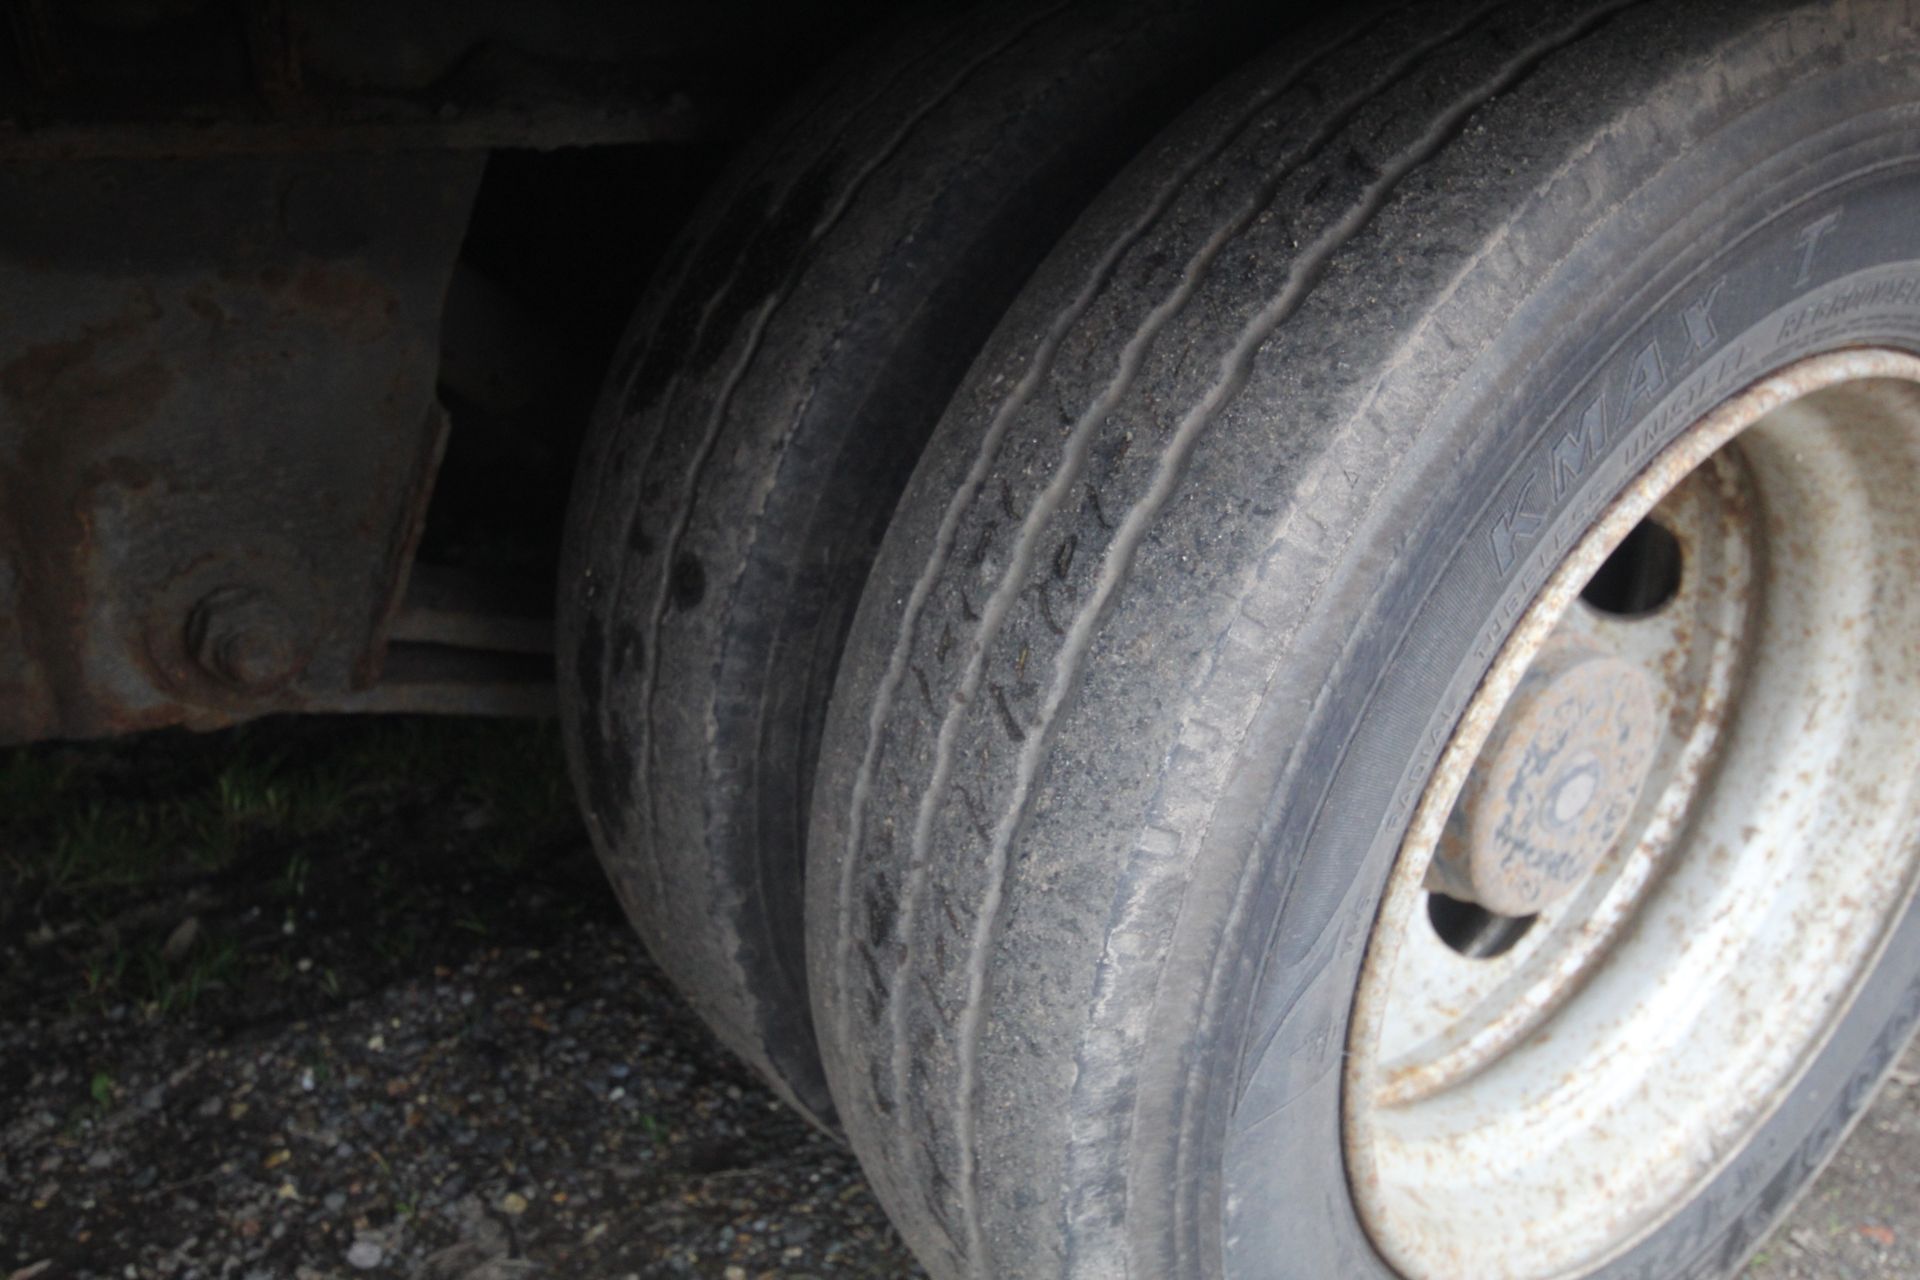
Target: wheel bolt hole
1474, 931
1640, 577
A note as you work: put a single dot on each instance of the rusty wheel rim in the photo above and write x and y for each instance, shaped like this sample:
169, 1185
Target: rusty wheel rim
1664, 847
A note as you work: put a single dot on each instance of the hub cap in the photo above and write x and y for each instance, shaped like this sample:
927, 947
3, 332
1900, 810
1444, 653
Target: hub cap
1552, 789
1663, 848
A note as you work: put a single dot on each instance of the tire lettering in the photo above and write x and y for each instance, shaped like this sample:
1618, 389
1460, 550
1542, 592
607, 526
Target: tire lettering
1698, 317
1518, 524
1899, 291
1644, 381
1578, 448
1572, 458
1808, 242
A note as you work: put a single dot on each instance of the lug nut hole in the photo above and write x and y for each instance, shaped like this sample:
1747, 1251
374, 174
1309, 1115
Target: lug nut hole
1641, 576
1474, 931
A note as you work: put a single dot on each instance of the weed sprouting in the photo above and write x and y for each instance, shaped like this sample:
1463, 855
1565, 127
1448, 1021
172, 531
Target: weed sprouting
299, 868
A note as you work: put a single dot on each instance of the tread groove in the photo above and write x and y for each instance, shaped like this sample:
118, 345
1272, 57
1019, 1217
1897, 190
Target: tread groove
658, 415
1302, 277
717, 417
949, 528
994, 613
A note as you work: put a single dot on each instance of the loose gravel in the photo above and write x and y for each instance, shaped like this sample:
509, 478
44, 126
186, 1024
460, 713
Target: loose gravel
529, 1110
390, 1029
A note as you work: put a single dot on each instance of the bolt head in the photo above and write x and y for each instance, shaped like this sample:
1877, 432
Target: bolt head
246, 640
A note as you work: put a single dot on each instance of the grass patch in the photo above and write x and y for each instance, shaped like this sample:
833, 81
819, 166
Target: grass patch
79, 819
375, 829
160, 983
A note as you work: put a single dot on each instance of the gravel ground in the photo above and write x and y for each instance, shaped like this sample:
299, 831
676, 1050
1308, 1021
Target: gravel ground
259, 1023
406, 1033
527, 1110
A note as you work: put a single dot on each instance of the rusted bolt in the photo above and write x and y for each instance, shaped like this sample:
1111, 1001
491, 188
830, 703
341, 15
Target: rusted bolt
1555, 784
245, 639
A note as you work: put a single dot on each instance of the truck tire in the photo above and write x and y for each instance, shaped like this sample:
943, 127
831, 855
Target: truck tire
1378, 742
762, 415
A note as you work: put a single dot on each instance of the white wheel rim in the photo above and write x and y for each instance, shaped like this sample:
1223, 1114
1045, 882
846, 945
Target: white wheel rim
1535, 1114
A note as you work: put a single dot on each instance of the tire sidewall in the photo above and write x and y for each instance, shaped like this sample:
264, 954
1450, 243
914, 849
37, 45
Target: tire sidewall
1706, 281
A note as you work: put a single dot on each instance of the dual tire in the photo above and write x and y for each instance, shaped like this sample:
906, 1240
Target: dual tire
761, 418
1310, 433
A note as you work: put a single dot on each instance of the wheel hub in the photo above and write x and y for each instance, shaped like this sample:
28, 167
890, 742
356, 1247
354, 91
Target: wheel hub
1554, 787
1669, 839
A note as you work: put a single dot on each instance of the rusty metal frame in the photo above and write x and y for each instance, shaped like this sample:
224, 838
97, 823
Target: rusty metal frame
149, 78
228, 230
218, 429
